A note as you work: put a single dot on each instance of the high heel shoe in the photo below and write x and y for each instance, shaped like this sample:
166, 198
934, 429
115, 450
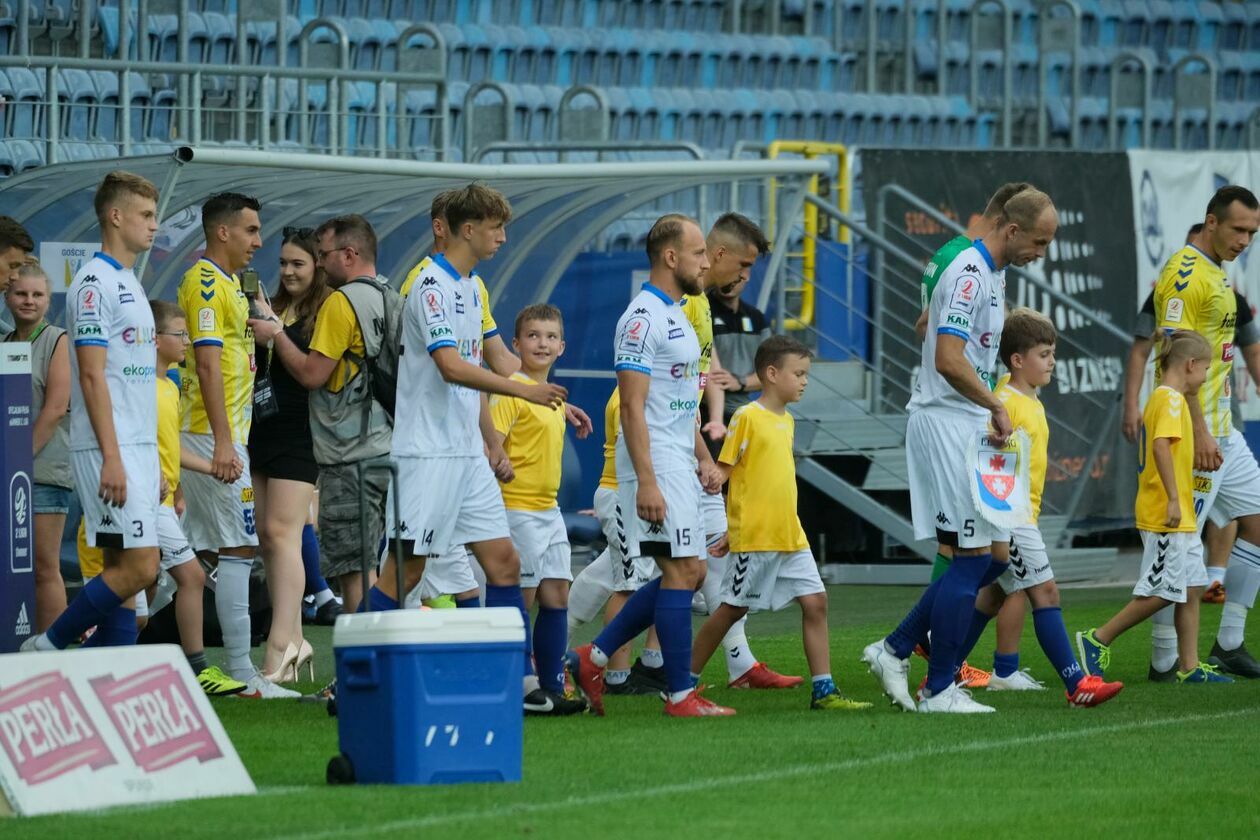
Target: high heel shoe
286, 671
306, 656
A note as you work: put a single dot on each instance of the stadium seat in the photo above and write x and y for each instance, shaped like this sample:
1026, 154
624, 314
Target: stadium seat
78, 103
25, 154
24, 113
7, 166
1211, 19
1233, 31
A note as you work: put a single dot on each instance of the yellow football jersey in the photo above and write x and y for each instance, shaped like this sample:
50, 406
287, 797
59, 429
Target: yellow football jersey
168, 435
761, 507
1193, 293
612, 428
217, 312
700, 314
91, 560
1029, 414
534, 444
488, 326
1165, 416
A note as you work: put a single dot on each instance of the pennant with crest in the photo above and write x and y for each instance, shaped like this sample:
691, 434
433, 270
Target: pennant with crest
1000, 479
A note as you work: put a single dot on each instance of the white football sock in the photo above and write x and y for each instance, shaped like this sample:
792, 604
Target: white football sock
598, 656
652, 658
323, 597
231, 604
590, 591
1233, 623
679, 696
1216, 574
1163, 639
739, 658
531, 683
616, 677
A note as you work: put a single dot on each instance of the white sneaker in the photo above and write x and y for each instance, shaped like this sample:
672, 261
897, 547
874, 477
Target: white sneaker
891, 672
258, 688
31, 644
954, 700
1021, 680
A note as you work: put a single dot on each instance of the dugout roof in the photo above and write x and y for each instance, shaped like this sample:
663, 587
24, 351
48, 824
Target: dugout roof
558, 207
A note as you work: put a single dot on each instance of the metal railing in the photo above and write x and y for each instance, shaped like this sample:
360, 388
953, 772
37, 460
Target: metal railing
329, 109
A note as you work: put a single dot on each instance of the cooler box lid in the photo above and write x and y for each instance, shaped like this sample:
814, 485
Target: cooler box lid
428, 627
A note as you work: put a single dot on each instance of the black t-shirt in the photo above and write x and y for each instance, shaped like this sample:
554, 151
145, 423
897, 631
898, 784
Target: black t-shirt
292, 425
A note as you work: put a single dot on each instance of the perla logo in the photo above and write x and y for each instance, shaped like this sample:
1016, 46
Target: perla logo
684, 405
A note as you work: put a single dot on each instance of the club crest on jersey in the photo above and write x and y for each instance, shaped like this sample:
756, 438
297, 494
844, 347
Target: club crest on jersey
89, 303
634, 335
964, 294
1000, 479
434, 306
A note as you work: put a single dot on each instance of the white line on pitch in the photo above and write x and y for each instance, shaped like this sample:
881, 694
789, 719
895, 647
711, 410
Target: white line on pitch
695, 785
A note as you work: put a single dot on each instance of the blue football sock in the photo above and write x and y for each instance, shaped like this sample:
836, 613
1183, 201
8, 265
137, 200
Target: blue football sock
975, 629
673, 625
510, 596
551, 640
824, 685
1005, 664
123, 631
468, 603
310, 561
635, 617
951, 616
995, 571
94, 603
378, 601
913, 629
1053, 638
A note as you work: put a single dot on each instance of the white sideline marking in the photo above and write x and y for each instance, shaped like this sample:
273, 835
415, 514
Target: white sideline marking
696, 785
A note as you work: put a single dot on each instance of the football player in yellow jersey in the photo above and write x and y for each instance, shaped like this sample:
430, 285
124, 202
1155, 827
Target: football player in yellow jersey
177, 557
533, 437
1027, 349
1193, 293
1171, 574
771, 564
217, 408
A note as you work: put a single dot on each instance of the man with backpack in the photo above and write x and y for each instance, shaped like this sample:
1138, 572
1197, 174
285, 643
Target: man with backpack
351, 370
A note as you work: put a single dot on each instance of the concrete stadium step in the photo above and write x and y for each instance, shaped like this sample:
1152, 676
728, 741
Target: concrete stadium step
851, 430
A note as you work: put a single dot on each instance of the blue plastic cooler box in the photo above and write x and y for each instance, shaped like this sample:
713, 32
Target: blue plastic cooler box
431, 696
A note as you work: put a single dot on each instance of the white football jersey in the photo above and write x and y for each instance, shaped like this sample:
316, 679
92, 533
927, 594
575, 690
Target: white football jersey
968, 302
434, 418
106, 307
654, 337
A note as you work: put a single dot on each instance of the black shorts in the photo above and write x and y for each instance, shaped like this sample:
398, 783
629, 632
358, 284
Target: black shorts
290, 463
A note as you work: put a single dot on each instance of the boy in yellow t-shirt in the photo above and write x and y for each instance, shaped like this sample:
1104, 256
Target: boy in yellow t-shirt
533, 437
1172, 572
771, 564
1027, 349
177, 556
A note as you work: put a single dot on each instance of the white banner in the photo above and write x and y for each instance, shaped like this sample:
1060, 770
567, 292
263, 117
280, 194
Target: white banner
62, 260
1171, 191
89, 729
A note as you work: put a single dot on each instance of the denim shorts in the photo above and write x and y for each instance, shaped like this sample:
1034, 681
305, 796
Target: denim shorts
50, 498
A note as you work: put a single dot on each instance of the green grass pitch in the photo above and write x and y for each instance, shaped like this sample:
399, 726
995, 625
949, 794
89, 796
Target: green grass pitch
1158, 761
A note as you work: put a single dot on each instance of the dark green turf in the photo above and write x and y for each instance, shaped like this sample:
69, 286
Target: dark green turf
1159, 761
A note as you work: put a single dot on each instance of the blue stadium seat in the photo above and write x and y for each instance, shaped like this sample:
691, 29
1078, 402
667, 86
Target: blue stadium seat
7, 166
1161, 23
77, 102
1211, 19
1110, 22
24, 113
1233, 32
1090, 22
109, 116
1231, 75
25, 154
1187, 20
1135, 25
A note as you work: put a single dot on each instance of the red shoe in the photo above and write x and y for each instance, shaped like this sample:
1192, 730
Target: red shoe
693, 705
1214, 594
759, 676
1092, 691
588, 676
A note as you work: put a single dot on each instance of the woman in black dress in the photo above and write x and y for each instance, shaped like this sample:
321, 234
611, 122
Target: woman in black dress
282, 458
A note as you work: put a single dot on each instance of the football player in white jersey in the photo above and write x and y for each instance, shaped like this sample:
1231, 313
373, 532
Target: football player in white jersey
448, 495
663, 467
113, 416
951, 404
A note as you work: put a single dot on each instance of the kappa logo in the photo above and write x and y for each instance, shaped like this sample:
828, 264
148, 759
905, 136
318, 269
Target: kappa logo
971, 269
639, 311
656, 528
941, 518
428, 281
107, 521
